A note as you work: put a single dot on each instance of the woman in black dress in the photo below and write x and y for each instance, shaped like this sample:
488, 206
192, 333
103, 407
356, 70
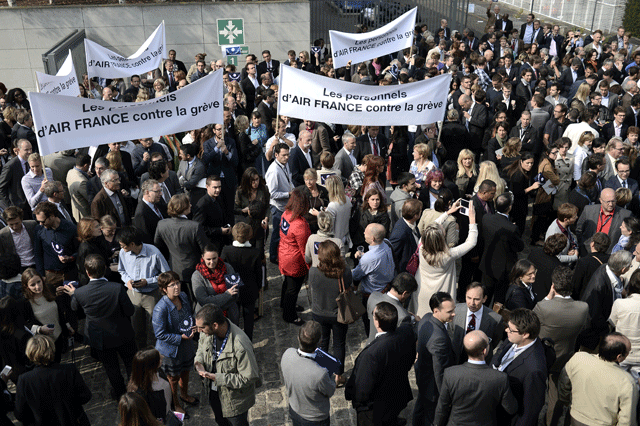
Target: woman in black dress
519, 177
398, 159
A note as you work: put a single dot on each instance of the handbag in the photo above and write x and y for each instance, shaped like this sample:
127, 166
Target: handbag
350, 307
414, 262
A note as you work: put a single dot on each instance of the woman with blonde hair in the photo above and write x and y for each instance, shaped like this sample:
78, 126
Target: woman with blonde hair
489, 171
437, 270
143, 95
159, 88
421, 164
340, 207
510, 153
583, 93
581, 152
467, 172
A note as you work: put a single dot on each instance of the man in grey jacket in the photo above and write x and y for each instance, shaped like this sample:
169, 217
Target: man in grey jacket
309, 386
403, 192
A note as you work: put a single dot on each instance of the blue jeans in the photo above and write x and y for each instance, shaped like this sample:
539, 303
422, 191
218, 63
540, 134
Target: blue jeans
299, 421
339, 330
276, 215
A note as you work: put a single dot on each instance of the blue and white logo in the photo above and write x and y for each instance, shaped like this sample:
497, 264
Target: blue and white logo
233, 50
284, 226
234, 76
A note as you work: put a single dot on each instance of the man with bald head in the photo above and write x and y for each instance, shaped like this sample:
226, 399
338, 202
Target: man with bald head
376, 267
605, 217
471, 392
616, 398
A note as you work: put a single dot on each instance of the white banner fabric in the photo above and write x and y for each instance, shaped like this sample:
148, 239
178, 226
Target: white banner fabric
395, 36
102, 62
309, 96
68, 123
65, 82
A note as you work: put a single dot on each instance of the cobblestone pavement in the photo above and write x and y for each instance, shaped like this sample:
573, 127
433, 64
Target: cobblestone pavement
272, 336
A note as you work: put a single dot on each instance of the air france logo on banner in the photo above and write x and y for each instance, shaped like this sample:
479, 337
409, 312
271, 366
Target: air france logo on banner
284, 226
231, 50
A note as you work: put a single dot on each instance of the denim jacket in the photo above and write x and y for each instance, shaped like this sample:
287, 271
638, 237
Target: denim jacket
166, 325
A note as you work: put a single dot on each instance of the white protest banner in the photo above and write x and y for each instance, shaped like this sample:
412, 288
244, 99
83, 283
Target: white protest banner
68, 123
102, 62
65, 82
394, 36
314, 97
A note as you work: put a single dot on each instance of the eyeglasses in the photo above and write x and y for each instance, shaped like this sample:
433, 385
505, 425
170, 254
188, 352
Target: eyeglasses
174, 284
509, 330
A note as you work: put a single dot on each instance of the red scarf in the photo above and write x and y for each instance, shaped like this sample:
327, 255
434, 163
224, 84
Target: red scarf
215, 277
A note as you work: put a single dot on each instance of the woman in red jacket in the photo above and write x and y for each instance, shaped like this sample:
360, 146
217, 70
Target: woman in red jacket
294, 232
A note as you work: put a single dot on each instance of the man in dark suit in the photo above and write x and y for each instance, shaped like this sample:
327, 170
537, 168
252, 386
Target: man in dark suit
150, 210
618, 126
210, 212
402, 287
587, 266
454, 136
168, 179
502, 243
249, 85
381, 370
108, 324
473, 315
265, 108
435, 353
561, 320
527, 27
604, 217
319, 139
169, 75
11, 192
522, 357
94, 184
471, 392
300, 158
527, 134
631, 118
622, 179
474, 118
523, 89
23, 129
22, 231
472, 42
405, 234
221, 158
372, 142
268, 65
570, 75
110, 200
504, 24
603, 288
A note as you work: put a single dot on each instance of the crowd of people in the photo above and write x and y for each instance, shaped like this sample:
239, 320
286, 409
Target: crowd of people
154, 251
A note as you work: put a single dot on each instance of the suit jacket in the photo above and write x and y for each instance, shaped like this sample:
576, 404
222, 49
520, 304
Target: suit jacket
588, 222
456, 138
404, 316
267, 113
298, 164
60, 164
477, 125
108, 310
319, 141
528, 379
102, 205
614, 183
470, 395
210, 213
504, 28
146, 220
530, 139
491, 323
127, 162
502, 243
435, 354
80, 201
194, 175
599, 296
94, 185
181, 241
562, 320
23, 132
631, 119
62, 402
262, 68
608, 131
172, 183
250, 91
11, 192
584, 270
342, 163
380, 370
566, 80
545, 264
403, 244
363, 146
7, 246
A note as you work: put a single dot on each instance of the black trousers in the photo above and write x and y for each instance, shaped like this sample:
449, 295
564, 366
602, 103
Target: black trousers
109, 359
290, 289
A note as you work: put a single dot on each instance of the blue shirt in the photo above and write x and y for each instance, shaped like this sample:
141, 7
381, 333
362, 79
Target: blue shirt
147, 265
376, 268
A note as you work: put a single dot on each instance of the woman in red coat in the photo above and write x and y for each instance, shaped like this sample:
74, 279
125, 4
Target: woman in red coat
294, 232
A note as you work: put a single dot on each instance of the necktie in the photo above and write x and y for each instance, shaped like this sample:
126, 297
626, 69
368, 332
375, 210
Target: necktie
509, 356
472, 323
624, 183
170, 79
158, 211
64, 212
375, 146
166, 196
26, 168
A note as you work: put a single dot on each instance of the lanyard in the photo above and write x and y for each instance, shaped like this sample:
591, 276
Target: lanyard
216, 354
603, 224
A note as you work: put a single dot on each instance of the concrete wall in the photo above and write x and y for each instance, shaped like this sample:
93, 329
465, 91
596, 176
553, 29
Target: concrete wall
27, 33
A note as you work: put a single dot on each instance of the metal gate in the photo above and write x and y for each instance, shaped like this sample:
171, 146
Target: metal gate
349, 15
54, 57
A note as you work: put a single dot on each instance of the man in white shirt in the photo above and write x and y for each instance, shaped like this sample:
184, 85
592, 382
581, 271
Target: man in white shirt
18, 237
280, 184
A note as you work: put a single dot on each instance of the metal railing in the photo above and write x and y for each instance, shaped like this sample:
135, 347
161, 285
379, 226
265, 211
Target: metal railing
54, 57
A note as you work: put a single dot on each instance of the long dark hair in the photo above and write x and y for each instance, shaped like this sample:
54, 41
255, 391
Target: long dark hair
519, 270
516, 166
298, 204
632, 225
144, 367
245, 182
399, 132
330, 260
134, 411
